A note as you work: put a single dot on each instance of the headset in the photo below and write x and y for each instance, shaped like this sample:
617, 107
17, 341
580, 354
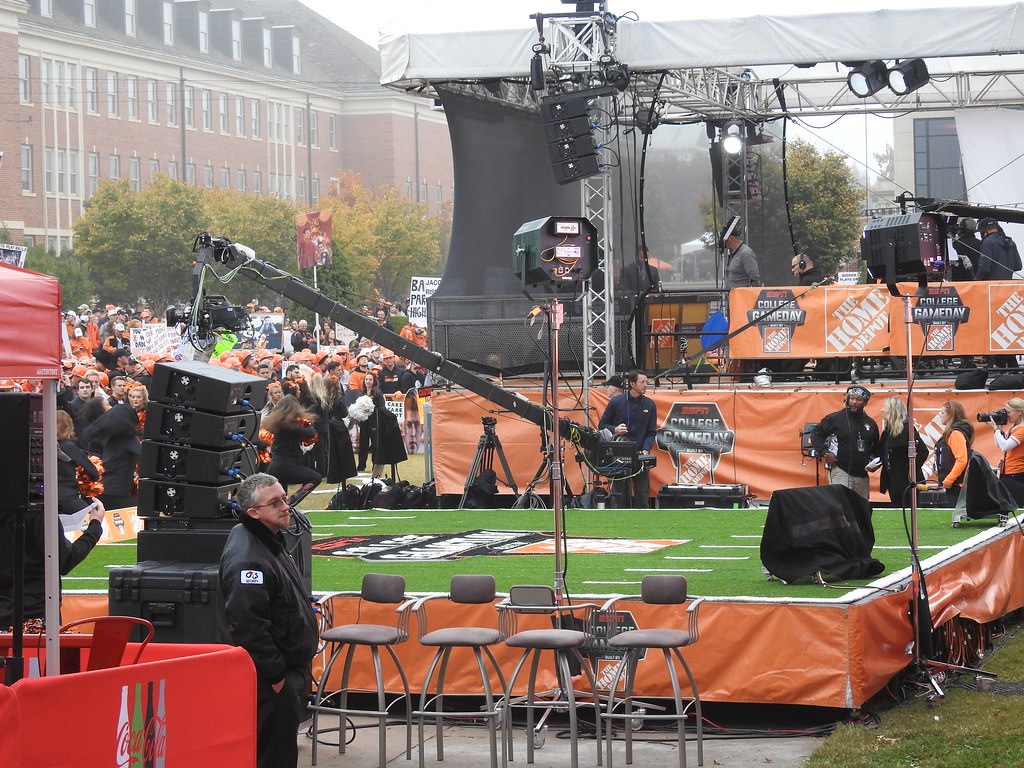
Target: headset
801, 265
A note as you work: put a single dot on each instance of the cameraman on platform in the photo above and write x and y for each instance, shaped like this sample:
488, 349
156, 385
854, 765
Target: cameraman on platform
633, 416
1008, 431
848, 442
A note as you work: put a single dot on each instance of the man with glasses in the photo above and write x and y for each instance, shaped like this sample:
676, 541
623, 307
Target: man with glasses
267, 611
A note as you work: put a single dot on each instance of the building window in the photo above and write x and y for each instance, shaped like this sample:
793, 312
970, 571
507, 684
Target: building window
48, 170
152, 112
204, 32
89, 12
190, 173
172, 104
134, 173
938, 172
332, 131
26, 167
189, 106
72, 171
300, 190
223, 113
114, 167
129, 18
255, 122
236, 39
46, 8
225, 178
46, 81
133, 97
93, 172
112, 94
208, 176
24, 78
168, 23
314, 128
92, 90
172, 169
300, 126
268, 51
206, 104
257, 183
241, 180
296, 56
72, 86
154, 168
239, 116
314, 190
62, 170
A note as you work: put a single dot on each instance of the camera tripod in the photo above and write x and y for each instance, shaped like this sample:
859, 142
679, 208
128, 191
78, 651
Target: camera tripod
486, 448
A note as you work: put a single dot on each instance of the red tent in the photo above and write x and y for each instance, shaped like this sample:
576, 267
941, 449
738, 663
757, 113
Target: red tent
30, 339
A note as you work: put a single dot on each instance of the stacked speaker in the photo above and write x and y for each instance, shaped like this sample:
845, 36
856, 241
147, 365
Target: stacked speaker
197, 448
568, 130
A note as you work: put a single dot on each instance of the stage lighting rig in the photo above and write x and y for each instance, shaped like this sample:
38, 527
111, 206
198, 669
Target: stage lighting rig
907, 76
867, 78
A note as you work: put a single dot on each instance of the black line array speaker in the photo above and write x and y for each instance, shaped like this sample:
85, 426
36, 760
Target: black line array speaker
207, 388
171, 461
162, 497
21, 452
199, 429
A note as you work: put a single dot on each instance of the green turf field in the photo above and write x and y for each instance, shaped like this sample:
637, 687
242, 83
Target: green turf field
719, 553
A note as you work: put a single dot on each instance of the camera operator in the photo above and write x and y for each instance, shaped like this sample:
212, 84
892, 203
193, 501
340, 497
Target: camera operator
1009, 440
633, 416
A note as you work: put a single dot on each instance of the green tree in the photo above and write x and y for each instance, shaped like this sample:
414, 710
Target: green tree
380, 241
825, 204
76, 287
138, 245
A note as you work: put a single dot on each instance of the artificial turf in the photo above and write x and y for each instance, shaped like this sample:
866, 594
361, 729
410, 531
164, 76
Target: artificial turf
718, 553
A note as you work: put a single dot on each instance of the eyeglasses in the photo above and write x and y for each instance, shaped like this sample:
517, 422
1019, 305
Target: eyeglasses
280, 502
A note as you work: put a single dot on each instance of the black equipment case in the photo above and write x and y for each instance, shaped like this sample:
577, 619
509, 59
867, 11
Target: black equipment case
716, 496
182, 600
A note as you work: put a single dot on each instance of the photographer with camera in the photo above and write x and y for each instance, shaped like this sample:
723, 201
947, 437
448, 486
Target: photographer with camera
1010, 442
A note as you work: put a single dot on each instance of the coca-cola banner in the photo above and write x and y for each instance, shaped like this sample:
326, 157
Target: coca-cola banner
155, 714
866, 320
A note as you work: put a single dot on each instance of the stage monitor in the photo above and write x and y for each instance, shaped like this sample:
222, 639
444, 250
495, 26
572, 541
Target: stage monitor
904, 247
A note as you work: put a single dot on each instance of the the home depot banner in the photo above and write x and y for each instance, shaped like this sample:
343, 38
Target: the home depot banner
848, 321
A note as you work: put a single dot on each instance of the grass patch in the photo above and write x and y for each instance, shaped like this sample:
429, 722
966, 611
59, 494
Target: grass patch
708, 535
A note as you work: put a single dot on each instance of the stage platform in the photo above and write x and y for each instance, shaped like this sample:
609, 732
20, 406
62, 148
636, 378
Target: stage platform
761, 642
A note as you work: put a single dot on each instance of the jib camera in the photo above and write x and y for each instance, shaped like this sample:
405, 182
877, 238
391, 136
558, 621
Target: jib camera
998, 418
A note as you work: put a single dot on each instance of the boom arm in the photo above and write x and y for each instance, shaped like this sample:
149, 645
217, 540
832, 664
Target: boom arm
221, 251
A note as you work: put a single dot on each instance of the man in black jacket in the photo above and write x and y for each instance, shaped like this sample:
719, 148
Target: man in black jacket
633, 416
999, 256
268, 612
848, 441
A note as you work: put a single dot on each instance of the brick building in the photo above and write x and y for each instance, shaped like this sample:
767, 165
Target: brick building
261, 96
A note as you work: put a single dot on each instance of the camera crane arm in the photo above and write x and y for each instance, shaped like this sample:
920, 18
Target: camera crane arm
220, 250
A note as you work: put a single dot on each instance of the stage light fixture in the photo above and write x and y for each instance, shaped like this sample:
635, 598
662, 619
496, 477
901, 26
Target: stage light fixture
867, 78
908, 76
732, 140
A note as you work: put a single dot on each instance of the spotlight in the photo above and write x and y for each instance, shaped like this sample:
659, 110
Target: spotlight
867, 78
732, 141
908, 76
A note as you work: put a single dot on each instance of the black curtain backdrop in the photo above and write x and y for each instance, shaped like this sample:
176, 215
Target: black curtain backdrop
503, 179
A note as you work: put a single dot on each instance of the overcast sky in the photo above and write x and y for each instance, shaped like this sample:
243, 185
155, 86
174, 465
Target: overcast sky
855, 136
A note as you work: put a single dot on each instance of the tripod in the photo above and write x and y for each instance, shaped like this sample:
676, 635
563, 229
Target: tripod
486, 448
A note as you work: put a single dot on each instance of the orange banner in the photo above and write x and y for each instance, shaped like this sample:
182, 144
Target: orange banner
864, 320
706, 436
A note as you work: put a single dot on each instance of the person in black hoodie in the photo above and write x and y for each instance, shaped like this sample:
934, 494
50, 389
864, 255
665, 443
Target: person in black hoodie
267, 612
848, 441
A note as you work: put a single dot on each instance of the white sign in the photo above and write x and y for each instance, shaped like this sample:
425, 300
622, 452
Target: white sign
848, 278
421, 289
157, 338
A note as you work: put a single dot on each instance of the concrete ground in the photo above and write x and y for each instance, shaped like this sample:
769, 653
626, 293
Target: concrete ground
467, 747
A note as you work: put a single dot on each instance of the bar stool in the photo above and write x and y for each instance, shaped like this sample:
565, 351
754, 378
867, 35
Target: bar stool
565, 643
664, 590
465, 590
384, 589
